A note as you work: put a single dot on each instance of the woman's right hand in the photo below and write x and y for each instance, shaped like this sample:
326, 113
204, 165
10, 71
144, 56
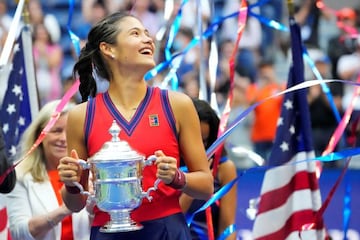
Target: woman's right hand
69, 169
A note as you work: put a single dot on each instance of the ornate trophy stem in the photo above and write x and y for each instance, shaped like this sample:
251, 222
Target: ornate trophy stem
120, 222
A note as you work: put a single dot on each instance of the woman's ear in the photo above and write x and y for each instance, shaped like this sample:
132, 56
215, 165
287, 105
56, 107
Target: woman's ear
107, 50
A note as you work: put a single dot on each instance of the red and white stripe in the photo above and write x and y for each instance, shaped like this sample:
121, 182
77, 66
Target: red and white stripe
4, 222
290, 198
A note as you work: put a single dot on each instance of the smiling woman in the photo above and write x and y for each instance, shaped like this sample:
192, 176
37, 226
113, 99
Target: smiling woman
35, 207
120, 50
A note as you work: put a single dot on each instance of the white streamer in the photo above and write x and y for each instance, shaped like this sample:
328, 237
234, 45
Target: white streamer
4, 58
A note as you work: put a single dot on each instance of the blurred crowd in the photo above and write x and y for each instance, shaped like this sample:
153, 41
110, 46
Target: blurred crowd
261, 62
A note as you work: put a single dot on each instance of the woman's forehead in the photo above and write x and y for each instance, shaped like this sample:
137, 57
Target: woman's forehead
129, 22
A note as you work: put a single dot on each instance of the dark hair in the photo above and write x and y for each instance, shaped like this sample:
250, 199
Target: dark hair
90, 58
207, 114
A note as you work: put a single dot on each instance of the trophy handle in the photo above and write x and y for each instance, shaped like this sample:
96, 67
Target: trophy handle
146, 194
154, 188
150, 160
84, 165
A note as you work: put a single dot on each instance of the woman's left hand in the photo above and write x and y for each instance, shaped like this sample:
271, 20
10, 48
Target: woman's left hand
166, 167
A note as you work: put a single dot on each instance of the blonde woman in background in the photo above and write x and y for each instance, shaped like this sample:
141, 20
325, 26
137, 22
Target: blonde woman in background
35, 207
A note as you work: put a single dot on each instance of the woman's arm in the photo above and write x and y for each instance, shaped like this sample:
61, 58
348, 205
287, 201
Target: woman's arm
227, 173
69, 169
23, 223
40, 225
199, 180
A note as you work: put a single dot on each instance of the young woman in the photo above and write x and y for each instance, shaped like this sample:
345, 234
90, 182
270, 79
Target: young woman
223, 212
152, 121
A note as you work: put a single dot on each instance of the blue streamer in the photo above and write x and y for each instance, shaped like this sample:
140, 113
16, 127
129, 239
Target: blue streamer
324, 87
174, 29
258, 3
270, 23
200, 233
347, 207
216, 196
227, 232
74, 38
75, 41
334, 156
71, 11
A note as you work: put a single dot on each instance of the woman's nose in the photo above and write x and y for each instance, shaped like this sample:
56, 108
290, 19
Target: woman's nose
62, 136
148, 39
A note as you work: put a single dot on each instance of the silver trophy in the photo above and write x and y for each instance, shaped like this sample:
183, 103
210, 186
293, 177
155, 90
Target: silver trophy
117, 182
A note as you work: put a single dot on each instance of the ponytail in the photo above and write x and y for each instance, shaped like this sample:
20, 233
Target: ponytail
83, 67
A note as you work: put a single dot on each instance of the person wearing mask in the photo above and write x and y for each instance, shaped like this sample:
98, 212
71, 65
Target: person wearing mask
224, 213
152, 121
35, 207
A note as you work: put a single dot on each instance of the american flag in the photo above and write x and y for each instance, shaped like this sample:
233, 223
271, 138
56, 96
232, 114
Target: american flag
15, 113
290, 195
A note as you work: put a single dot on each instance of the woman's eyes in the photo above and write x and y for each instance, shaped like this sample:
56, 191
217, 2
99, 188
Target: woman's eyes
138, 33
57, 130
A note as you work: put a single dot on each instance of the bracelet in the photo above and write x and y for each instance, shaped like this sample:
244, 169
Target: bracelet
179, 181
51, 222
72, 189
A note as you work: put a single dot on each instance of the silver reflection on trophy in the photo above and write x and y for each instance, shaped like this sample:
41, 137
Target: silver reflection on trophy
117, 181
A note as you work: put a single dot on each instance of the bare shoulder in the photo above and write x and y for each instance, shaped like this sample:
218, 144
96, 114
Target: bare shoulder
78, 113
180, 100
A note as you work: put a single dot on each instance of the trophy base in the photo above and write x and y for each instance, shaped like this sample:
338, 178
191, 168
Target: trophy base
120, 227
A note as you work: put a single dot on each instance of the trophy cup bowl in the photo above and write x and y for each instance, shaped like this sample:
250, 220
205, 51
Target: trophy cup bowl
117, 182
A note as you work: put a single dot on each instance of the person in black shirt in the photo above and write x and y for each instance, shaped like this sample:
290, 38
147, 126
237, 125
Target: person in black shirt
9, 182
323, 119
342, 43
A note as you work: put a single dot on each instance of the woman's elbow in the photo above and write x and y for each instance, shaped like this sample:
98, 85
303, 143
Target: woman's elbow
208, 187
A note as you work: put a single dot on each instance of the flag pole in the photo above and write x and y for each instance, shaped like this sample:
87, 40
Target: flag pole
29, 62
291, 9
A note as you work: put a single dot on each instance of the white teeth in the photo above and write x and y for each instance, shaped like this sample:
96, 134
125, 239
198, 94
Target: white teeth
146, 51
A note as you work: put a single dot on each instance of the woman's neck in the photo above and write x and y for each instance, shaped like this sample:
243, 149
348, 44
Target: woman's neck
51, 166
127, 95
